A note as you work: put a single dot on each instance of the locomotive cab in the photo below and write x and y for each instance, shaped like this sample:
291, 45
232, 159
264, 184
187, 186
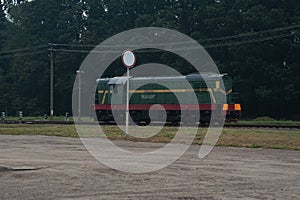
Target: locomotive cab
117, 90
233, 107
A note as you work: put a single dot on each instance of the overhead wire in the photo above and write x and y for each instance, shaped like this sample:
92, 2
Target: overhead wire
244, 40
252, 33
23, 49
248, 41
242, 35
22, 54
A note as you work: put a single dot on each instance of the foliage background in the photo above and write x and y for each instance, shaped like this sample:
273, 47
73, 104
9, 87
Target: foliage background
267, 85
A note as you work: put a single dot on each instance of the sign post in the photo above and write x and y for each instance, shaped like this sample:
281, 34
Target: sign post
79, 72
129, 60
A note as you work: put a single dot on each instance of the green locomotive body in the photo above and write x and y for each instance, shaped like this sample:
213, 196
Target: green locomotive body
145, 92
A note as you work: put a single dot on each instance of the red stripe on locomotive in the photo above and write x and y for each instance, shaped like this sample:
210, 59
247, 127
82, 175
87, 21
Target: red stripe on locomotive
166, 106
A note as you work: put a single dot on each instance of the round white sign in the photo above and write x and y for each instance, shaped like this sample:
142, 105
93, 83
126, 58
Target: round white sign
128, 58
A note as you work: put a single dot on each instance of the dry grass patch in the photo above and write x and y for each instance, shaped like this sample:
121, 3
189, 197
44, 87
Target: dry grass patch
253, 138
260, 138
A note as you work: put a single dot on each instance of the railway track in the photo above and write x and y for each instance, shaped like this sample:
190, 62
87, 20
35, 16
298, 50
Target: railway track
227, 125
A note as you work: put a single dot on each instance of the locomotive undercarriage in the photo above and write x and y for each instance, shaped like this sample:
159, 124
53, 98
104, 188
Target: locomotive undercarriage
143, 117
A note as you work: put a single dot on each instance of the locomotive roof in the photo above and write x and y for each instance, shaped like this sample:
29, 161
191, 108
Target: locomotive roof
191, 77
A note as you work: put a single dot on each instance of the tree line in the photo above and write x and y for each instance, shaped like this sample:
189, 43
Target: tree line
256, 42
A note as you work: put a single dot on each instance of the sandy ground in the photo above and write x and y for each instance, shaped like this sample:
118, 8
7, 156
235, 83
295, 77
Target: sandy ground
40, 167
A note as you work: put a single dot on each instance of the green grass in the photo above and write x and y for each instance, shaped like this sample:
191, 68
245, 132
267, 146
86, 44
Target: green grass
271, 122
41, 118
25, 118
260, 138
257, 121
49, 130
250, 138
267, 121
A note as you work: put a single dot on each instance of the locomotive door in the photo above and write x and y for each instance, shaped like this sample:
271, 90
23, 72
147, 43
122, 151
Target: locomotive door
117, 90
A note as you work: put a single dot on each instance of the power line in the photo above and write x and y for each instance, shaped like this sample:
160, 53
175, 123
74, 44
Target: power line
236, 43
252, 33
249, 41
17, 52
242, 35
22, 54
24, 49
73, 45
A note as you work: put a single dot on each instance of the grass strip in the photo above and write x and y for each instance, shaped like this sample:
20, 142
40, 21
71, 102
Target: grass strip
251, 138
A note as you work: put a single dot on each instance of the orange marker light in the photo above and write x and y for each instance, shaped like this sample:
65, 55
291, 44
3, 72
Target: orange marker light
237, 107
225, 107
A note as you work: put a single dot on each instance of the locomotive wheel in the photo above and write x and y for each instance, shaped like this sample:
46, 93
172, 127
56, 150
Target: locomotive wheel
147, 122
204, 123
174, 123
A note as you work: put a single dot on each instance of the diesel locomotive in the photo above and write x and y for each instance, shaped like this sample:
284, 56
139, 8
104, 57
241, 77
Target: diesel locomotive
146, 92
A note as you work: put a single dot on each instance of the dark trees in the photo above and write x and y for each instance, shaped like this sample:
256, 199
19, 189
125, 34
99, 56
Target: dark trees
266, 72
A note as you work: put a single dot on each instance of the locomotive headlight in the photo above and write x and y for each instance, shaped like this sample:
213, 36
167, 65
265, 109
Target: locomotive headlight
225, 107
237, 107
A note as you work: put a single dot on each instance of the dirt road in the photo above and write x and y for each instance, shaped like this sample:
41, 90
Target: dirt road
40, 167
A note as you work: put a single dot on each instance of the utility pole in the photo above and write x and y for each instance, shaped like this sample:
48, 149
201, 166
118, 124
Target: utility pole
51, 81
79, 72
